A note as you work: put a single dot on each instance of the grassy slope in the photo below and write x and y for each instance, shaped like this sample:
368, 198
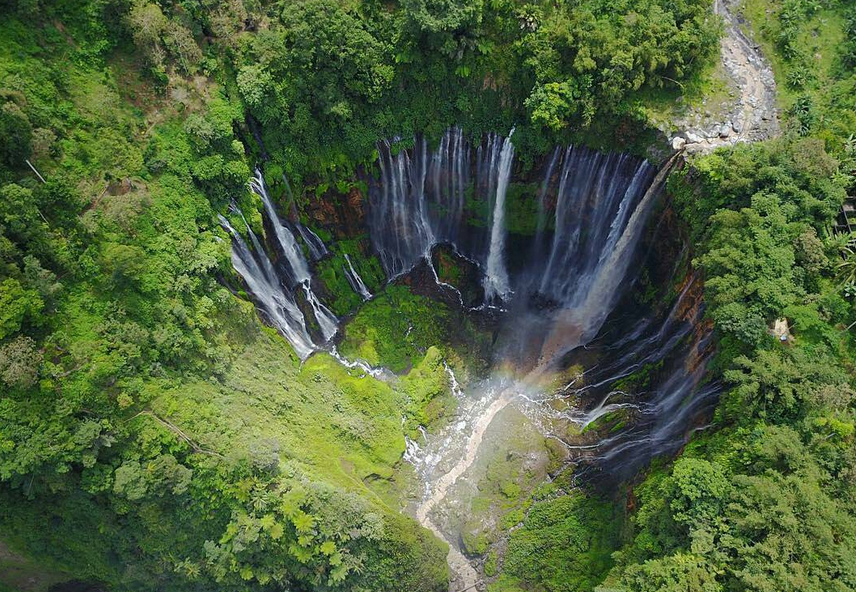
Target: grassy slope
815, 91
340, 425
817, 42
343, 428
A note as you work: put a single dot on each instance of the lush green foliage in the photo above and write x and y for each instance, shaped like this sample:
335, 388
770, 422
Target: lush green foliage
765, 503
810, 44
564, 544
327, 79
126, 363
395, 329
333, 272
763, 208
170, 442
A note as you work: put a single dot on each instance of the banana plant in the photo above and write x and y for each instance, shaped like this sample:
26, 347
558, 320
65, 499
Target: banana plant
847, 267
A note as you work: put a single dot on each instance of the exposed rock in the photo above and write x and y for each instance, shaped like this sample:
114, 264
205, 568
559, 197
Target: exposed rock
341, 214
781, 331
693, 137
120, 187
751, 115
450, 278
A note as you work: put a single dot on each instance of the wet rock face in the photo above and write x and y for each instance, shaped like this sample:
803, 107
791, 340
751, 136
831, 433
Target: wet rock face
341, 214
447, 277
460, 272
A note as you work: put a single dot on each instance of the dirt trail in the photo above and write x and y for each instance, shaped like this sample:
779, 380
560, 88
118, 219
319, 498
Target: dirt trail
753, 115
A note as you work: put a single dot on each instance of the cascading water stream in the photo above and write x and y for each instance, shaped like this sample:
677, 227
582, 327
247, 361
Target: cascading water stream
299, 268
287, 243
354, 279
591, 216
324, 316
496, 277
317, 249
274, 300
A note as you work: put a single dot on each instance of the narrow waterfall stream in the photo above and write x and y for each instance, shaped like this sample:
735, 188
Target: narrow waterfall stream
553, 300
496, 278
273, 291
355, 280
275, 301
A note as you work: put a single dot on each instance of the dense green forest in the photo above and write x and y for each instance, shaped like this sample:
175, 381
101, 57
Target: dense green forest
156, 435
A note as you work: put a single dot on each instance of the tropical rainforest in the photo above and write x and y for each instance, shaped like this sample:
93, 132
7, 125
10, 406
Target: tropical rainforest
428, 295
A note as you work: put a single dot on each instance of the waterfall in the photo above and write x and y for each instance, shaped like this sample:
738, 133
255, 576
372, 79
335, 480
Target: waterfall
313, 242
355, 280
542, 208
596, 194
586, 202
557, 292
399, 209
274, 294
298, 266
419, 200
673, 348
449, 176
614, 258
327, 321
271, 295
287, 243
496, 277
602, 206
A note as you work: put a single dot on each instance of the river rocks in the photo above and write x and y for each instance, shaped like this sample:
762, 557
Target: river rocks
693, 137
750, 114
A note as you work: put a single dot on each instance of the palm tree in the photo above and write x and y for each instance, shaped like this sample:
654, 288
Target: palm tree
847, 268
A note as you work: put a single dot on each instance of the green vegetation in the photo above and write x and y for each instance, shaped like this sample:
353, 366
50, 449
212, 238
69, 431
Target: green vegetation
169, 442
515, 460
343, 299
396, 328
154, 436
811, 46
766, 501
564, 543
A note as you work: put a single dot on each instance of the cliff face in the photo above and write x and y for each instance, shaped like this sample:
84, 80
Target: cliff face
658, 320
341, 214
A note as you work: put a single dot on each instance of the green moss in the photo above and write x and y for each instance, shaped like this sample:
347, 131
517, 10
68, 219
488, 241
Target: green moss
521, 208
447, 269
639, 380
491, 564
505, 583
342, 298
475, 544
429, 397
397, 327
